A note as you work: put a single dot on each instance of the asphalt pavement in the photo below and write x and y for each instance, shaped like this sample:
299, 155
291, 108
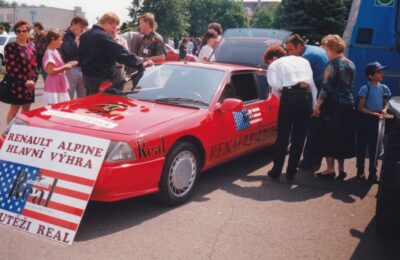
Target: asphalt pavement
236, 213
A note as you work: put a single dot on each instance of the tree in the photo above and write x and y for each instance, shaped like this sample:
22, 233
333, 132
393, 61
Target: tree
314, 18
171, 15
229, 13
4, 3
265, 17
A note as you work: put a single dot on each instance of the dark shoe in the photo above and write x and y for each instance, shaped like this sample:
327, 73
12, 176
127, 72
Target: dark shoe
342, 175
373, 178
305, 165
330, 175
273, 175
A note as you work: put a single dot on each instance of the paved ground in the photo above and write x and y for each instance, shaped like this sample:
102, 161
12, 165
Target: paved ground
236, 213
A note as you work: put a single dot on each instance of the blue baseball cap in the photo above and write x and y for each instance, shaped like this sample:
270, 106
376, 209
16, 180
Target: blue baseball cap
373, 67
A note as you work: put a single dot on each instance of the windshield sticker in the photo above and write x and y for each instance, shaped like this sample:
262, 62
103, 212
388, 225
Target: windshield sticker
81, 118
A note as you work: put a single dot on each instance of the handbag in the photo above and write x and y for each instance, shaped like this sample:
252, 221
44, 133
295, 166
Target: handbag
5, 90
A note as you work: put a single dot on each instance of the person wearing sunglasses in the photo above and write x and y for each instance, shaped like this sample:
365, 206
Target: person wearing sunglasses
18, 85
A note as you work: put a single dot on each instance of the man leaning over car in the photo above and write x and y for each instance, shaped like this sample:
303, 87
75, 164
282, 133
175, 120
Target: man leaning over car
98, 52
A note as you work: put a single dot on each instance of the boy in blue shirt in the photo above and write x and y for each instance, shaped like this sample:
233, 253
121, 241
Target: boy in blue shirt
372, 104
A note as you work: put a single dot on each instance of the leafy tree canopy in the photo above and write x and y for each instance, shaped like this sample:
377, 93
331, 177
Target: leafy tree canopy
314, 18
190, 17
265, 17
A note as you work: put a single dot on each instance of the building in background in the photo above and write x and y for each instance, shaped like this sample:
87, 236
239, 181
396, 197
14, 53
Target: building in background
50, 17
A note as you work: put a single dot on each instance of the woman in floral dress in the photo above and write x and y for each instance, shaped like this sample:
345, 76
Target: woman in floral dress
20, 74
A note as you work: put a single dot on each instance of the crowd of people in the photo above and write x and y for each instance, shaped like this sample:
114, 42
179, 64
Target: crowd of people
315, 85
325, 119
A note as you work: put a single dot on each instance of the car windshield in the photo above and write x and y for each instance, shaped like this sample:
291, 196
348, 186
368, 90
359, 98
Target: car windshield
247, 46
176, 84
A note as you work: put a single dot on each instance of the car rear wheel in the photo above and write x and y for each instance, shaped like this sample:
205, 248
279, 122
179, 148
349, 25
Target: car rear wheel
180, 173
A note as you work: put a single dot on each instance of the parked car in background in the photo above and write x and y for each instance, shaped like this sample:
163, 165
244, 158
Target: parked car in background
173, 55
4, 40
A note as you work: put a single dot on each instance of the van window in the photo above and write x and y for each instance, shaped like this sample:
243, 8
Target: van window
364, 36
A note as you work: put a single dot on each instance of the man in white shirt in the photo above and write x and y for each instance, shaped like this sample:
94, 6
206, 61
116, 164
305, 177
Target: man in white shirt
291, 79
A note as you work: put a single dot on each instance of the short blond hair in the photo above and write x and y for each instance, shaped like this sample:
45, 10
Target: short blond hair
109, 17
334, 43
148, 18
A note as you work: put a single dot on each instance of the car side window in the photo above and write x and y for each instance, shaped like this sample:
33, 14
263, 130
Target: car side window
228, 92
245, 86
263, 85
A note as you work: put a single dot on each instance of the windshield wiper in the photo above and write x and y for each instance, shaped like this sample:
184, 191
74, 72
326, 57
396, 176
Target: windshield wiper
182, 100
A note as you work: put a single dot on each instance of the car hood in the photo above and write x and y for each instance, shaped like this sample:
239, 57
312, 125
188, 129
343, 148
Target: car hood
110, 114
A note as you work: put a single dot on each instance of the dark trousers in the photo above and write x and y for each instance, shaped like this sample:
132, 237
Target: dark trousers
92, 84
40, 69
294, 114
367, 136
312, 152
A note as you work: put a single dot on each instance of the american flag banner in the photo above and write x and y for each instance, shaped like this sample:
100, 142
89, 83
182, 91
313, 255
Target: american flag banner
46, 202
245, 118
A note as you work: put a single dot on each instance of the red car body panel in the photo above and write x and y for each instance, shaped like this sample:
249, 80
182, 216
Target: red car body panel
152, 128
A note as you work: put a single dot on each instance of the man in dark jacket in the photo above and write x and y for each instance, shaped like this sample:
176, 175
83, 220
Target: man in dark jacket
98, 52
69, 52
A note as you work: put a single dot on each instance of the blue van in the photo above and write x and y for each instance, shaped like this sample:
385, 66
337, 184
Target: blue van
373, 34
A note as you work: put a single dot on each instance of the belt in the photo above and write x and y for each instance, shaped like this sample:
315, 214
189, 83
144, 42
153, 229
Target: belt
297, 86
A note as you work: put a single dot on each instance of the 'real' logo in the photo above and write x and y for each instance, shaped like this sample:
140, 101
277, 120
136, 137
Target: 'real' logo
40, 180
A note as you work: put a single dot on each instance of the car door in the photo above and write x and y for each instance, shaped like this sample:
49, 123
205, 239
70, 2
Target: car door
243, 130
269, 110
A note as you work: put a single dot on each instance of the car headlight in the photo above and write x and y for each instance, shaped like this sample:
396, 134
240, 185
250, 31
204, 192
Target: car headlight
15, 121
119, 151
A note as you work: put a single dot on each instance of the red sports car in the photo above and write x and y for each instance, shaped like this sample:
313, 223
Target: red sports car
176, 121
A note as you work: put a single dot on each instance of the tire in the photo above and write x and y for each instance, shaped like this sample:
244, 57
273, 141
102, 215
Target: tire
388, 201
180, 173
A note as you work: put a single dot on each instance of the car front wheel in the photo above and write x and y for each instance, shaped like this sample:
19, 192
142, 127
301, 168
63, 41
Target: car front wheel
180, 173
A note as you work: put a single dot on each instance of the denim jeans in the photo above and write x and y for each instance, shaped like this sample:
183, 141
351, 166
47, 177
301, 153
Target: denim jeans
75, 80
367, 136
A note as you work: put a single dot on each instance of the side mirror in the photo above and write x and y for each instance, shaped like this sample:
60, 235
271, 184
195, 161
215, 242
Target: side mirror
230, 105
